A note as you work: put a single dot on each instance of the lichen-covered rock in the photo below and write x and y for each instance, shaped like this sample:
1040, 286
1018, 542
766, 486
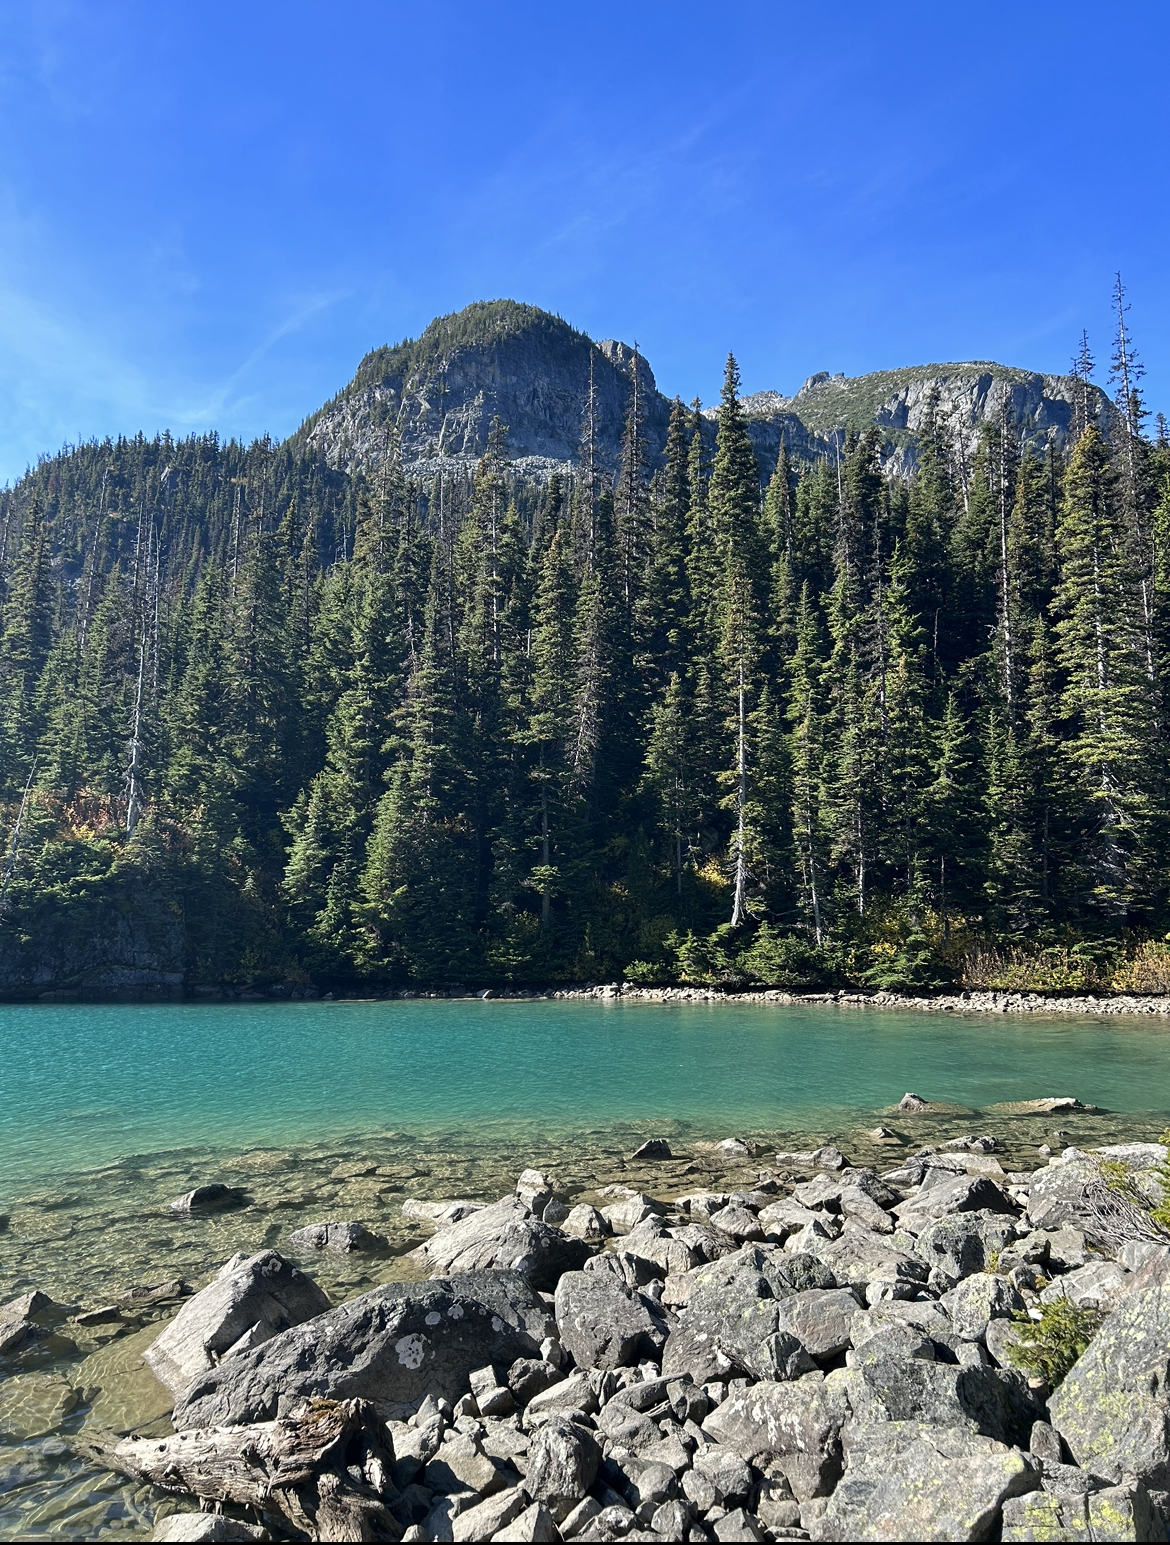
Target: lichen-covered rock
909, 1481
1099, 1285
1100, 1513
942, 1193
992, 1401
1113, 1407
392, 1345
504, 1236
562, 1465
606, 1324
252, 1299
797, 1424
965, 1242
733, 1315
979, 1299
821, 1319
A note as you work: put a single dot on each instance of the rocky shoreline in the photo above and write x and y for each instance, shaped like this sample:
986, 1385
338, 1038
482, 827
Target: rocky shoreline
965, 1001
823, 1351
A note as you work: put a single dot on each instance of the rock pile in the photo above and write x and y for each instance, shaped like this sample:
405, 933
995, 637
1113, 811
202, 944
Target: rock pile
823, 1356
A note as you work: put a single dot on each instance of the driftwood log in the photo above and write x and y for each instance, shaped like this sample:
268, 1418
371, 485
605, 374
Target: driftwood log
323, 1473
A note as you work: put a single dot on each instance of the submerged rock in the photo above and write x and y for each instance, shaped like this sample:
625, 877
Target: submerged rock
341, 1237
210, 1198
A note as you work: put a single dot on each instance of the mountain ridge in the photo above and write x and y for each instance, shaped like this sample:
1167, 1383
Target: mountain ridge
433, 399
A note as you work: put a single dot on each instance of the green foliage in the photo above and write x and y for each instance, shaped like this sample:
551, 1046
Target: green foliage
1048, 1347
794, 726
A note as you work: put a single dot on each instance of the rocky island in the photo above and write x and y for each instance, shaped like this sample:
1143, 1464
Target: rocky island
819, 1349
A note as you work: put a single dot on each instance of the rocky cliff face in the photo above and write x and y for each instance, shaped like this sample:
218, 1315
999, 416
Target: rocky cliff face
434, 397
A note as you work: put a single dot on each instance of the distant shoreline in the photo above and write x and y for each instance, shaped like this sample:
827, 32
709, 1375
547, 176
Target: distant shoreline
978, 1001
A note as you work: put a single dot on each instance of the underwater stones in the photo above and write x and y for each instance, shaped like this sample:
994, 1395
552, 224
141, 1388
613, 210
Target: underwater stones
345, 1238
214, 1197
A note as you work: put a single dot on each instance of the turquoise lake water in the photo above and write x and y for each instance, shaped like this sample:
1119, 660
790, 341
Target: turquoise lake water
86, 1085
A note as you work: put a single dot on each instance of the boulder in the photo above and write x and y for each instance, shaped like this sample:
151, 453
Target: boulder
797, 1424
585, 1222
626, 1214
503, 1237
1104, 1513
779, 1219
739, 1222
392, 1345
705, 1242
460, 1464
439, 1213
252, 1299
210, 1198
487, 1519
1100, 1285
965, 1242
653, 1148
912, 1101
345, 1238
993, 1401
942, 1192
909, 1481
189, 1528
563, 1459
821, 1319
733, 1316
728, 1472
573, 1394
979, 1299
1113, 1406
19, 1320
859, 1256
534, 1191
534, 1524
606, 1324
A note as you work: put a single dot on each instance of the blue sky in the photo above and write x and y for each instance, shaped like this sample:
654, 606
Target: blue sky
210, 211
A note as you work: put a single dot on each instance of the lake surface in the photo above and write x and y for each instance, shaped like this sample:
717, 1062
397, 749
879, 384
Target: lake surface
88, 1085
342, 1110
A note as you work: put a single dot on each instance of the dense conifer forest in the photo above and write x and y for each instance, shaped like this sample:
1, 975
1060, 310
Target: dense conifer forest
696, 720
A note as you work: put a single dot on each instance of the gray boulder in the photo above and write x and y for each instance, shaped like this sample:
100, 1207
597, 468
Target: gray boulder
1099, 1285
909, 1481
995, 1402
737, 1221
1113, 1407
821, 1319
979, 1299
392, 1345
797, 1425
1103, 1513
344, 1238
942, 1192
585, 1222
861, 1256
606, 1324
626, 1214
503, 1237
733, 1316
252, 1299
653, 1148
562, 1465
191, 1528
965, 1242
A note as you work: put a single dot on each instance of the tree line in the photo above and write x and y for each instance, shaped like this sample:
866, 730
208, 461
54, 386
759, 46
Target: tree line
698, 720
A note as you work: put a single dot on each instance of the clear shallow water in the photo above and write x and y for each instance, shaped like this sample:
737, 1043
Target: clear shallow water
86, 1085
325, 1110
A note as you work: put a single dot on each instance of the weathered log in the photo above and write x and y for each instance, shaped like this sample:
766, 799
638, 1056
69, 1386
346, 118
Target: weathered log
323, 1473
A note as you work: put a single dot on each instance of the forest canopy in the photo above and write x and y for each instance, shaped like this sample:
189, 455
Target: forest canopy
697, 720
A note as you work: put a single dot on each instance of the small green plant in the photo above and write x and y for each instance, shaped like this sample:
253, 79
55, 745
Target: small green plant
1048, 1347
992, 1262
